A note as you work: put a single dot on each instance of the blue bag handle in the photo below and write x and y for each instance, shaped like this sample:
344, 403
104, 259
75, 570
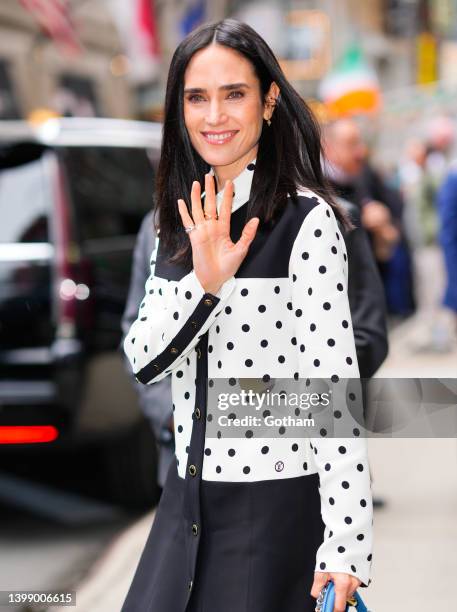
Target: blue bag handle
326, 602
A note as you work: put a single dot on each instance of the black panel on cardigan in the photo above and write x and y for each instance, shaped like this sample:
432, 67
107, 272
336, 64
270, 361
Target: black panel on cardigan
262, 260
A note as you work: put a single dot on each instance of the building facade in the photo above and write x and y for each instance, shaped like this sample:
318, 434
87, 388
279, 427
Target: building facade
38, 72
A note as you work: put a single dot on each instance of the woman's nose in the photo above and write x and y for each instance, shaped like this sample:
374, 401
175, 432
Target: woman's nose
216, 113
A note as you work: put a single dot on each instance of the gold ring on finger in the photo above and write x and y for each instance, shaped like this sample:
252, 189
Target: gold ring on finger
208, 217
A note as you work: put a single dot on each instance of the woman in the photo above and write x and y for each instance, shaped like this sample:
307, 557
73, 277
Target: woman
248, 281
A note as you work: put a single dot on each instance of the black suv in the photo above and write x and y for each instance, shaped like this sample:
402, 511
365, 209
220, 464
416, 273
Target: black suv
73, 193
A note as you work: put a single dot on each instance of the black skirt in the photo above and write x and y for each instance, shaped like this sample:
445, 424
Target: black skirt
257, 546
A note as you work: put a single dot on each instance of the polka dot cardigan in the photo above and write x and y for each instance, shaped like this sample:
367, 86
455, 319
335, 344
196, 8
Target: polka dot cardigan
284, 314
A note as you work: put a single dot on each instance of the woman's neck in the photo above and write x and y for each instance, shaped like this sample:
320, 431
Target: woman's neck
231, 171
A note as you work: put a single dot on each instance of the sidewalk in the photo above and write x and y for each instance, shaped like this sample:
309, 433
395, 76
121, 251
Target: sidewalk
414, 560
415, 537
108, 580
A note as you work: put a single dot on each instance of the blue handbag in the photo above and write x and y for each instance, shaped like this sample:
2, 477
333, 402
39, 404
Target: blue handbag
326, 600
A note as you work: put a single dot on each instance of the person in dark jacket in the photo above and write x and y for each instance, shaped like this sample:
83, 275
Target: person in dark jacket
155, 400
447, 207
366, 300
366, 297
381, 209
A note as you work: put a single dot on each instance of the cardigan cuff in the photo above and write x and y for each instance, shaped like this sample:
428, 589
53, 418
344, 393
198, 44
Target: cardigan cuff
178, 344
195, 324
362, 573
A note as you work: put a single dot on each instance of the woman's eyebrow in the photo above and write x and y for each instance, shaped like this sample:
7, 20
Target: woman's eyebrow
224, 87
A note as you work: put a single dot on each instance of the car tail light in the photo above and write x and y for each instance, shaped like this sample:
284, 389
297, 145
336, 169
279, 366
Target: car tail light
27, 434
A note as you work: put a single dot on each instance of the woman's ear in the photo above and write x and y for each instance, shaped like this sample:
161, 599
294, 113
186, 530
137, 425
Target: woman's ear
270, 101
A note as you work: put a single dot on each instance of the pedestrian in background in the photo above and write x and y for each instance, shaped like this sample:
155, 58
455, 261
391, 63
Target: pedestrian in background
419, 182
154, 400
447, 206
381, 210
346, 168
440, 140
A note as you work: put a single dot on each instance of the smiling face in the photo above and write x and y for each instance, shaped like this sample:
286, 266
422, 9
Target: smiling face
223, 109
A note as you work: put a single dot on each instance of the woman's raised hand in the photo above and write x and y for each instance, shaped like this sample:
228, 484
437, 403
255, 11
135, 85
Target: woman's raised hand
215, 257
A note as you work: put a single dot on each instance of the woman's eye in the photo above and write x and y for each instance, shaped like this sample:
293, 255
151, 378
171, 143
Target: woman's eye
239, 94
194, 98
233, 95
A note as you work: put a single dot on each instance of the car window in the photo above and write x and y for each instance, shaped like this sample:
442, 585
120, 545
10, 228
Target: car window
24, 203
111, 190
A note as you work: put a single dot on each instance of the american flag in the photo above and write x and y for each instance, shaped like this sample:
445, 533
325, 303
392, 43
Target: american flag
55, 20
138, 28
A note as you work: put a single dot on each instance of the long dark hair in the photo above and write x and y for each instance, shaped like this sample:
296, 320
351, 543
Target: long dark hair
289, 152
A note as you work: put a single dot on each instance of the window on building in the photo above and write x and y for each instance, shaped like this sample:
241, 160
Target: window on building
9, 107
76, 97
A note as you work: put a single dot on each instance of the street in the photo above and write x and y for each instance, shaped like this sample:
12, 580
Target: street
52, 527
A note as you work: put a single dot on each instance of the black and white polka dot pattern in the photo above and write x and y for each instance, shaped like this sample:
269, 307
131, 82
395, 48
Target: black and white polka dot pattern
297, 324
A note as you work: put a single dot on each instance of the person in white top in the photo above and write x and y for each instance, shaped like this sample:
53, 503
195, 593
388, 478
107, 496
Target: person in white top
248, 285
